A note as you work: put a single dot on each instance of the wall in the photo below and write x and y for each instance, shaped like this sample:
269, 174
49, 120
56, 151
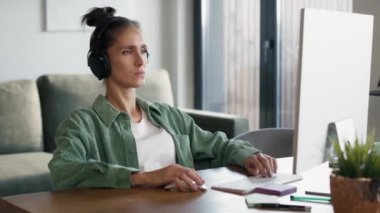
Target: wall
27, 51
373, 7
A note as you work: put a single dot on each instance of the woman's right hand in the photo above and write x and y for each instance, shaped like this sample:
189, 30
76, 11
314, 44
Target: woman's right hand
184, 178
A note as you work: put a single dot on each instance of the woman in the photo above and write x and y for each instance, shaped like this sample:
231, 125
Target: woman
123, 141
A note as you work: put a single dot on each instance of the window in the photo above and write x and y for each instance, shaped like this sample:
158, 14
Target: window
228, 59
246, 57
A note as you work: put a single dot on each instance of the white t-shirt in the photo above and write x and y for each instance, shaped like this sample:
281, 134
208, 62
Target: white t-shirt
155, 147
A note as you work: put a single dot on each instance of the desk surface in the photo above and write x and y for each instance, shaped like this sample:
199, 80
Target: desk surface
159, 200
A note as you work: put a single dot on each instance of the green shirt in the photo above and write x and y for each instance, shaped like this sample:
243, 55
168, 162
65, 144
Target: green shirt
96, 148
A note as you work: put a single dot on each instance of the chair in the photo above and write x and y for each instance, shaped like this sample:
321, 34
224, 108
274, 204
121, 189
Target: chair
276, 142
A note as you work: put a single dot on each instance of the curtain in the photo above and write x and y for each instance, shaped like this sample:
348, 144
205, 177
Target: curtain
241, 42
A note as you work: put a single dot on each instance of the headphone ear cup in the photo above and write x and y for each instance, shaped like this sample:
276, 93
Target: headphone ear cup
99, 64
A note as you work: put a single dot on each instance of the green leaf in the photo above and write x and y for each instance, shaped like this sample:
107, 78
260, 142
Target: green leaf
359, 159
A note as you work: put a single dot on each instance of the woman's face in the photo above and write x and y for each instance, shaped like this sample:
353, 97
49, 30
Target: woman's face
128, 58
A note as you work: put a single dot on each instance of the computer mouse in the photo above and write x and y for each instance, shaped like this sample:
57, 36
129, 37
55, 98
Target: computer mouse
173, 187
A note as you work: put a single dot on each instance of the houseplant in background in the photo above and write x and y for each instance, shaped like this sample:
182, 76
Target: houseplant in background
355, 182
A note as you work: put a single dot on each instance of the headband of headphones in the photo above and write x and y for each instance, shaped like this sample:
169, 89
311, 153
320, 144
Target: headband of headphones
100, 30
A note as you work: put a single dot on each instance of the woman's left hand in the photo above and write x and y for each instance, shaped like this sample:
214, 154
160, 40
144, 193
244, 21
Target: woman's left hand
261, 164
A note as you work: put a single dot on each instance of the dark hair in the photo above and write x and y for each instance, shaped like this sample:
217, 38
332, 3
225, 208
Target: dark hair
107, 26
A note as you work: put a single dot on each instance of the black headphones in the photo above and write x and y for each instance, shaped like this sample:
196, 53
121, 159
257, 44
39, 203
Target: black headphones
97, 59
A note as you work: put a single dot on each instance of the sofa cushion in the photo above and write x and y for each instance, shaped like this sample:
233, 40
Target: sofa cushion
20, 117
24, 173
157, 87
60, 95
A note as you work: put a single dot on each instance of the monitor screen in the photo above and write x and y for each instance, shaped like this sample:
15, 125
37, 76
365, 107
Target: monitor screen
334, 77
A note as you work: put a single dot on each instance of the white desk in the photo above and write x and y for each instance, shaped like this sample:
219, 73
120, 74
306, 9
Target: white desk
316, 179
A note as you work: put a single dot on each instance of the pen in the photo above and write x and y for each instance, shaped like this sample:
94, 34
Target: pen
318, 193
310, 198
282, 207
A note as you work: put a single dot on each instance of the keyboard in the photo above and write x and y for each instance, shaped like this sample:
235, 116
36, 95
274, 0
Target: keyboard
248, 184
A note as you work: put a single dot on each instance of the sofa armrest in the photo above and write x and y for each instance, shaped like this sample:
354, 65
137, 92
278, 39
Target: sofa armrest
232, 125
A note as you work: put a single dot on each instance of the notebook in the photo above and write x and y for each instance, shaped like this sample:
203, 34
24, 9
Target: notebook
253, 199
248, 184
275, 189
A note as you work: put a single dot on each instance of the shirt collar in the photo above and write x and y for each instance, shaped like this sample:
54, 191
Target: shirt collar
108, 113
147, 106
105, 110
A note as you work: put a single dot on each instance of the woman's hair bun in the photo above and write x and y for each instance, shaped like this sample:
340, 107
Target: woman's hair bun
97, 15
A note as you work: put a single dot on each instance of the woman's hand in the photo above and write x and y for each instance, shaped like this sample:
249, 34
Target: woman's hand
184, 178
261, 164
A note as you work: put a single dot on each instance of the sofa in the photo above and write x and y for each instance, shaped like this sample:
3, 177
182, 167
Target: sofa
30, 112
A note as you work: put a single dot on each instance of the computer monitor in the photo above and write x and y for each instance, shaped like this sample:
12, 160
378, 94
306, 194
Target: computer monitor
334, 76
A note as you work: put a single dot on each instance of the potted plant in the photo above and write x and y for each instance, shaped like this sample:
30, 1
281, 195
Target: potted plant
355, 182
